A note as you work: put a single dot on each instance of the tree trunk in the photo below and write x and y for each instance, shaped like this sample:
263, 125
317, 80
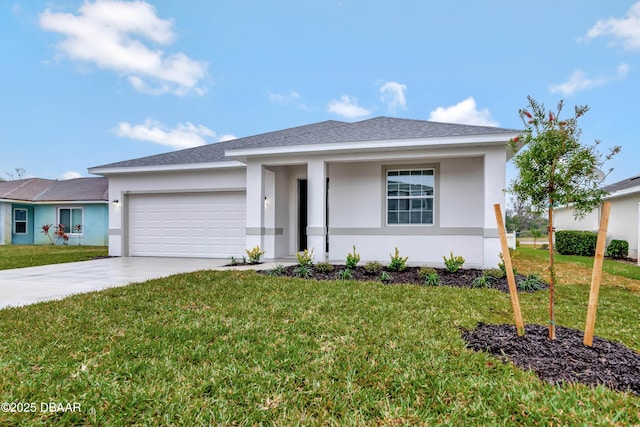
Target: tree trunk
552, 276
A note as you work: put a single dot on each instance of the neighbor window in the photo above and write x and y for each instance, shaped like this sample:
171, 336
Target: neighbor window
20, 221
410, 196
72, 220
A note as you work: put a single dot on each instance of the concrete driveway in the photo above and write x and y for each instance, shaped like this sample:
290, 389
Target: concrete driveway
22, 286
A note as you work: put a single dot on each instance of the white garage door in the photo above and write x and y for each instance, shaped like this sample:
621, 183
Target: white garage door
187, 225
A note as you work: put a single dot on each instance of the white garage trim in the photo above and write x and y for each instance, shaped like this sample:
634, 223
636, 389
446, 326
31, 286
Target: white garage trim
195, 225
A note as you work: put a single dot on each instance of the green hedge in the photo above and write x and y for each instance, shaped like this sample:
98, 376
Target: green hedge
571, 242
618, 249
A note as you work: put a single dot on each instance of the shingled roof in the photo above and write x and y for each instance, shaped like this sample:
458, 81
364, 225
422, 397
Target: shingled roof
47, 190
634, 181
327, 132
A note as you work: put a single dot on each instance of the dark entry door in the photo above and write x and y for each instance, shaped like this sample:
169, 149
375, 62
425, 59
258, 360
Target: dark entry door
302, 214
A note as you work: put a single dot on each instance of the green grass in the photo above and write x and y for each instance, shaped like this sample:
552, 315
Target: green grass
238, 348
18, 256
609, 265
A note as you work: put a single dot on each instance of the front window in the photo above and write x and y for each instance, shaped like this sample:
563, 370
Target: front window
72, 220
20, 221
410, 196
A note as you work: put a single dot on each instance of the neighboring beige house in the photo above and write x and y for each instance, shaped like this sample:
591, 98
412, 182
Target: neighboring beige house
426, 187
624, 218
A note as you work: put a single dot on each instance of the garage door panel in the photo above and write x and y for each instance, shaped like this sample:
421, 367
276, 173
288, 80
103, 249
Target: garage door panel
187, 225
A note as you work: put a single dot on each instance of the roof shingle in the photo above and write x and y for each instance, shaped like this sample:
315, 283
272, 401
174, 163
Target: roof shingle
327, 132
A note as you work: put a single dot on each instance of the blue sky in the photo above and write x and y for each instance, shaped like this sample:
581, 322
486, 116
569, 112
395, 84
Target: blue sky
88, 83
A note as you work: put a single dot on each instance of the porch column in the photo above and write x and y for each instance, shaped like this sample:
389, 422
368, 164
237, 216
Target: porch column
316, 208
5, 224
495, 178
254, 230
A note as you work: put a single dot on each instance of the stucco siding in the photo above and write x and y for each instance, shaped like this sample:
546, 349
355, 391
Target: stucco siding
623, 222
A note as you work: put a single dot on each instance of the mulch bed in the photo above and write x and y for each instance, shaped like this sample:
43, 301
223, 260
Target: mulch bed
563, 360
460, 279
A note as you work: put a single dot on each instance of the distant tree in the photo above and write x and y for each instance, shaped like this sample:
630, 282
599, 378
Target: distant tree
19, 173
521, 216
555, 169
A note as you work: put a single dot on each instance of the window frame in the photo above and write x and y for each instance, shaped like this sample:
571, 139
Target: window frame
25, 221
433, 197
71, 209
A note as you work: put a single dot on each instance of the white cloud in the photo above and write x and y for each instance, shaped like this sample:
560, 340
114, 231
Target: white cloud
464, 112
393, 95
183, 136
107, 33
625, 29
348, 108
292, 98
69, 175
227, 137
579, 81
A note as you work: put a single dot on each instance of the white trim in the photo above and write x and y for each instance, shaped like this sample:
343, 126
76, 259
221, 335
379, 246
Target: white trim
71, 208
624, 192
165, 168
26, 221
391, 145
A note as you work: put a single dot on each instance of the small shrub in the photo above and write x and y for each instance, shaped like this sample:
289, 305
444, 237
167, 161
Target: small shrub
278, 270
617, 249
305, 258
432, 279
572, 242
385, 277
233, 261
373, 267
453, 263
502, 266
397, 263
324, 267
425, 271
345, 274
496, 273
484, 281
544, 247
353, 258
530, 283
254, 255
304, 271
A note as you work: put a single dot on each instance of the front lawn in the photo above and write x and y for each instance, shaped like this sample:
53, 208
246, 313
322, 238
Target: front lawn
18, 256
238, 348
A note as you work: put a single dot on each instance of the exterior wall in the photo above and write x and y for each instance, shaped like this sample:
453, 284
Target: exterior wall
357, 213
120, 185
623, 221
95, 225
5, 223
563, 220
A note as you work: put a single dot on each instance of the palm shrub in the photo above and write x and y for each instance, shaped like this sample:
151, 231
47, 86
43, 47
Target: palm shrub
254, 255
453, 263
353, 259
397, 263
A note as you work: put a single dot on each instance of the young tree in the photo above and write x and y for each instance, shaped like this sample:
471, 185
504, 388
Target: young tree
555, 169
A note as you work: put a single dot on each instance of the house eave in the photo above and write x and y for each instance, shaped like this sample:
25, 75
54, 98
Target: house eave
165, 168
624, 192
456, 142
54, 202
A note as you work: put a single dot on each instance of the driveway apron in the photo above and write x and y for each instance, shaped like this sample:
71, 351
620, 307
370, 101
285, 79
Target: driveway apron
22, 286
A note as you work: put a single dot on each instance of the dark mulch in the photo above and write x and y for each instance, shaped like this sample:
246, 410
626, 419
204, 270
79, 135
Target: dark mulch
460, 279
563, 360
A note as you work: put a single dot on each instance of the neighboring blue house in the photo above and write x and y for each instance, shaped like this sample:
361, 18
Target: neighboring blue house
80, 205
